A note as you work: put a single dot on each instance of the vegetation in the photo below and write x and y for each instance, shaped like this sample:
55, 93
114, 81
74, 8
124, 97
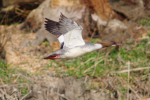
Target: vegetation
10, 75
114, 69
145, 22
13, 76
110, 63
98, 63
126, 66
121, 73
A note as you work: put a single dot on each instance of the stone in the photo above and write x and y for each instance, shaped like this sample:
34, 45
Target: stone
116, 31
35, 20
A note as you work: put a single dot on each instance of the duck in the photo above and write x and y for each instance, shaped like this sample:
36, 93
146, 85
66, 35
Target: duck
69, 35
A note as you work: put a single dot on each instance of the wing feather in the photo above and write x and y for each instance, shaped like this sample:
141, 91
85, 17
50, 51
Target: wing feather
51, 26
72, 32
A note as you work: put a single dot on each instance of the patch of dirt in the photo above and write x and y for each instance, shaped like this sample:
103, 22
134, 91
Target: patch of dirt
48, 86
28, 58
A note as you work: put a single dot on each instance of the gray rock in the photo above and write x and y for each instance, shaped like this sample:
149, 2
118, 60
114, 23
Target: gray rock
35, 20
116, 31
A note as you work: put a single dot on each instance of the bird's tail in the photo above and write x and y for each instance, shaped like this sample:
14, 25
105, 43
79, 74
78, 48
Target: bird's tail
52, 56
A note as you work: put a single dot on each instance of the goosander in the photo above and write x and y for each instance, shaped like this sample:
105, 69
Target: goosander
69, 34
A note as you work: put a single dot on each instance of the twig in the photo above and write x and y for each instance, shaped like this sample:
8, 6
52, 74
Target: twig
93, 65
128, 79
7, 96
149, 85
25, 95
120, 59
1, 81
86, 61
58, 91
16, 79
102, 90
85, 79
135, 93
3, 18
93, 33
61, 95
29, 79
106, 57
135, 69
131, 89
6, 85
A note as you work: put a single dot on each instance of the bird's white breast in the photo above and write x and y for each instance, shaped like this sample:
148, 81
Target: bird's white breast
76, 52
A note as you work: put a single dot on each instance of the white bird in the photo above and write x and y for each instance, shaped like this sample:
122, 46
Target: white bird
69, 34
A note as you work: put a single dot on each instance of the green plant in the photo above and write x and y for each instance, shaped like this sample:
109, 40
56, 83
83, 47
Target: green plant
100, 63
145, 22
11, 75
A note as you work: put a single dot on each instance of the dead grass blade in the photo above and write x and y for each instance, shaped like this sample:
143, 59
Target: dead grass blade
135, 69
5, 95
135, 93
86, 61
122, 80
128, 79
61, 95
94, 64
25, 95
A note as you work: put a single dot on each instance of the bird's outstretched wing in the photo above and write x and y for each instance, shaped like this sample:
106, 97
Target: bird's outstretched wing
72, 32
66, 27
51, 26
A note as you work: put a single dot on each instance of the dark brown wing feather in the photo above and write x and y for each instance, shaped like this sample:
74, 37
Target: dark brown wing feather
51, 26
65, 24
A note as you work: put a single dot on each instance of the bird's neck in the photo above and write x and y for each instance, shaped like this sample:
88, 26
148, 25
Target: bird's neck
98, 46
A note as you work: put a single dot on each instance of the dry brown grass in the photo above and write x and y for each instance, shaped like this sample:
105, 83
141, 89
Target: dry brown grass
4, 37
109, 86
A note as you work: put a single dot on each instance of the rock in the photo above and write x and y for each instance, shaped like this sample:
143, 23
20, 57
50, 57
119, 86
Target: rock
37, 91
39, 38
35, 20
100, 96
114, 25
5, 36
128, 11
75, 89
116, 31
99, 21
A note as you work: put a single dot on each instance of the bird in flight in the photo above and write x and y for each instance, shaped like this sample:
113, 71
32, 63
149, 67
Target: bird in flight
69, 34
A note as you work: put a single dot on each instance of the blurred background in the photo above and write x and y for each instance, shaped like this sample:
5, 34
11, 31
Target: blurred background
113, 73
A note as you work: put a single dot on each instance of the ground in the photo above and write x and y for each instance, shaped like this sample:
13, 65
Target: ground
108, 73
113, 73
